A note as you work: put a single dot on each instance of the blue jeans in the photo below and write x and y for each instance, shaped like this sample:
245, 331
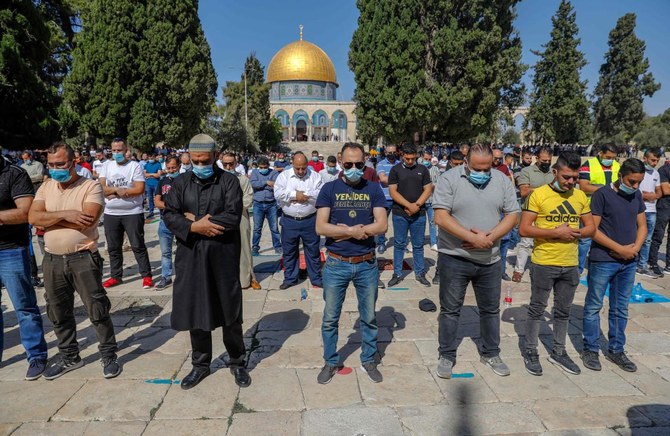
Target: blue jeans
262, 211
381, 239
337, 275
620, 278
584, 248
432, 228
15, 276
165, 238
644, 251
150, 191
505, 244
416, 224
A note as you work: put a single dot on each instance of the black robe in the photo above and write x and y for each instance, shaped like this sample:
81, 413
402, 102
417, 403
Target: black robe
206, 291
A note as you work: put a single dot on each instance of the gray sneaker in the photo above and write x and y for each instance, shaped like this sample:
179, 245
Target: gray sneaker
327, 373
564, 362
496, 364
444, 367
370, 368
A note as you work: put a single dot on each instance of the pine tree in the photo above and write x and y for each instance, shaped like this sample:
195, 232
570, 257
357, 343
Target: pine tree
559, 110
623, 84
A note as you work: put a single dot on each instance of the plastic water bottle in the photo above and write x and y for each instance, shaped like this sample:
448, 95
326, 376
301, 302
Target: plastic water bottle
303, 294
508, 296
637, 292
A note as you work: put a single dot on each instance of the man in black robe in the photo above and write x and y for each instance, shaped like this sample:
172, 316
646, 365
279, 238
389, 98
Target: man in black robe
203, 210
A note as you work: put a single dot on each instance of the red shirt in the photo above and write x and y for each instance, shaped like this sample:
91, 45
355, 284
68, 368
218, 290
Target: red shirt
369, 174
316, 166
87, 166
503, 169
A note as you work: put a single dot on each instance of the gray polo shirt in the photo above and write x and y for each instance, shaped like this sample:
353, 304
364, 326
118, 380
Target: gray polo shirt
533, 176
481, 208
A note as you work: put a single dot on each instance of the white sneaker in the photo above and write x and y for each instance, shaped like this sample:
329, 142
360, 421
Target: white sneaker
433, 247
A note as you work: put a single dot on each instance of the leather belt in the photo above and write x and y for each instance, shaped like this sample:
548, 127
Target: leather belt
71, 255
353, 259
299, 218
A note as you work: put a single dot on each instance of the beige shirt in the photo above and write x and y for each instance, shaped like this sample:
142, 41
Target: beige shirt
62, 240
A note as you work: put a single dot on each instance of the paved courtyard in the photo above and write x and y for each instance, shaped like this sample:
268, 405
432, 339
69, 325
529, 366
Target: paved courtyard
284, 343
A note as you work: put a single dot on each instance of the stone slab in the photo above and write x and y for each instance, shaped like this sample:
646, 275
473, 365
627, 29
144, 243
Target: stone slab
465, 390
34, 401
368, 421
266, 423
342, 391
131, 428
187, 427
605, 383
273, 389
407, 385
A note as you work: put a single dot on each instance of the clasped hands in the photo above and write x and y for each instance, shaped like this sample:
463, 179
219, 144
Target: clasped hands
626, 252
479, 240
412, 209
357, 232
204, 226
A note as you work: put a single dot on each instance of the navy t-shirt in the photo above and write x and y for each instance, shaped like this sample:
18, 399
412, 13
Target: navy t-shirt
351, 205
618, 213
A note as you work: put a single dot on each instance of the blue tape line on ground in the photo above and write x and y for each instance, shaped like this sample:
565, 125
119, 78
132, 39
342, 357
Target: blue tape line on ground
463, 375
162, 381
398, 289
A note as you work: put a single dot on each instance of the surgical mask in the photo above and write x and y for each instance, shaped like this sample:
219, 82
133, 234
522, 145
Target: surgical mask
264, 171
203, 171
353, 174
479, 177
626, 189
607, 162
152, 160
557, 187
28, 162
161, 160
315, 158
186, 166
332, 170
61, 175
172, 175
649, 167
118, 157
544, 166
427, 163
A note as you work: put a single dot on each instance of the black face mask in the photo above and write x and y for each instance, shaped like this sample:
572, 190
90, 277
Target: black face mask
544, 167
391, 157
524, 164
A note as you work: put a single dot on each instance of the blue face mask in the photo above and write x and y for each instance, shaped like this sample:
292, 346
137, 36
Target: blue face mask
152, 160
626, 189
28, 162
479, 177
161, 160
332, 170
203, 171
649, 167
353, 174
264, 171
557, 187
315, 158
607, 162
426, 163
172, 175
61, 175
118, 157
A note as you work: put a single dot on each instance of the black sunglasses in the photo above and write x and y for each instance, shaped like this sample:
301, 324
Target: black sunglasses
348, 165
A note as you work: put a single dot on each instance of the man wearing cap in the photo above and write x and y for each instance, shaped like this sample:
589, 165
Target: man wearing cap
203, 211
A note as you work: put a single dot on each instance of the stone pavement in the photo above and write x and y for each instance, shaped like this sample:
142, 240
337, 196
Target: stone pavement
283, 337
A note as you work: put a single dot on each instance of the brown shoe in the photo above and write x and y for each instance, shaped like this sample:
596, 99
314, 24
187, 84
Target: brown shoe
516, 277
255, 285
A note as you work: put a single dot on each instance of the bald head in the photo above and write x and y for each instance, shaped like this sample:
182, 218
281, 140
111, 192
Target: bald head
299, 162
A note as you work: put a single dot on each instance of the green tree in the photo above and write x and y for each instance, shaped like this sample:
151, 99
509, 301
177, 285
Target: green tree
511, 136
654, 132
559, 110
35, 45
623, 84
441, 66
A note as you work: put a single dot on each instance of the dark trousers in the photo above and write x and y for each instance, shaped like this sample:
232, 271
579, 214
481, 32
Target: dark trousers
81, 272
455, 275
292, 232
662, 220
564, 281
201, 344
133, 226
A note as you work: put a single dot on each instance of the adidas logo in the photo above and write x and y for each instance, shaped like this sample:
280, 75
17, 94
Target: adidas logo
564, 213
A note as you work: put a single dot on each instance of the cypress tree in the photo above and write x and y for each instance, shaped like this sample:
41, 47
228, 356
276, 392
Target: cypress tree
559, 110
623, 84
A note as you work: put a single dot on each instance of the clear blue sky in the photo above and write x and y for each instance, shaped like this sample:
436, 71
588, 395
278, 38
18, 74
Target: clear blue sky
235, 28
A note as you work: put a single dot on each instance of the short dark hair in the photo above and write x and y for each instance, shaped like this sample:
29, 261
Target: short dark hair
509, 155
353, 145
172, 158
526, 152
608, 147
631, 166
545, 149
314, 151
229, 154
456, 154
409, 149
427, 151
263, 161
61, 145
99, 150
331, 159
568, 159
480, 149
656, 152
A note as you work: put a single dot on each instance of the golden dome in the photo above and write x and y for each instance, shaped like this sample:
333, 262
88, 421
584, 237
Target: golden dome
301, 60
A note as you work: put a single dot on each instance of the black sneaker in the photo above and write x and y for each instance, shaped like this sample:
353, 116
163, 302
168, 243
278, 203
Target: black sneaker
163, 283
327, 373
370, 368
621, 360
381, 284
564, 362
61, 364
436, 279
36, 368
591, 360
647, 273
667, 269
37, 283
422, 279
394, 281
657, 271
532, 362
506, 278
110, 367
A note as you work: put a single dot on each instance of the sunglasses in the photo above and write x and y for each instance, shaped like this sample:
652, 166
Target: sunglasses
348, 165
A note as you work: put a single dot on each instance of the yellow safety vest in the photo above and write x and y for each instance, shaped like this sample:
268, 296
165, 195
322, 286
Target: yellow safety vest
597, 173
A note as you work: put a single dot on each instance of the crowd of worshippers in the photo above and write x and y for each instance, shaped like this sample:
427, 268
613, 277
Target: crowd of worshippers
478, 202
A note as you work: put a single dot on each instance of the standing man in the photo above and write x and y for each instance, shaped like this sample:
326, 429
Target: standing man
68, 206
330, 172
552, 216
662, 220
469, 201
296, 190
531, 178
410, 188
122, 183
16, 197
203, 210
186, 165
265, 206
434, 172
315, 164
350, 212
596, 172
34, 168
100, 160
621, 228
153, 170
165, 236
499, 164
651, 192
383, 170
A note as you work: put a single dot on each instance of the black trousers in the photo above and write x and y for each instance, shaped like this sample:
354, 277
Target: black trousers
80, 272
662, 220
133, 226
201, 344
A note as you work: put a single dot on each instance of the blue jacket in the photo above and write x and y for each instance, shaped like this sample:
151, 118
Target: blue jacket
263, 192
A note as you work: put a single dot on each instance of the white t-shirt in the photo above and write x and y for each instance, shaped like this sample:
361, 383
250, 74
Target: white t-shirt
649, 184
122, 176
83, 172
97, 165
